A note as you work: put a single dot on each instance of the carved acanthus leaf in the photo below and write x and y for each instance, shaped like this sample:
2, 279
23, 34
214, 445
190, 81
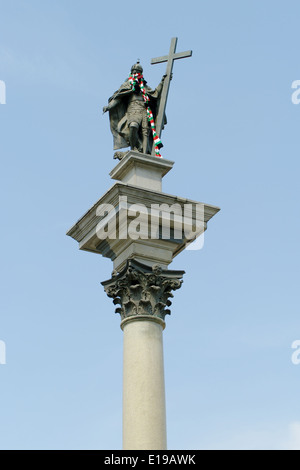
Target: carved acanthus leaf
140, 290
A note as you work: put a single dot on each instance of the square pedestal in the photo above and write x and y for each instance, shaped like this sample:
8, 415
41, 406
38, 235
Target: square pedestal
134, 219
144, 171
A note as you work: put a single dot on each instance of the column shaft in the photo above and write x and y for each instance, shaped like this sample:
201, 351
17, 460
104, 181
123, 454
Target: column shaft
144, 410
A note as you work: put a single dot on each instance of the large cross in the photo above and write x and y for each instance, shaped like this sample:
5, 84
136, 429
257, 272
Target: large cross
165, 91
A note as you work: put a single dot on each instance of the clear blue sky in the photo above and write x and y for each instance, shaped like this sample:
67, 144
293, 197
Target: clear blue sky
233, 132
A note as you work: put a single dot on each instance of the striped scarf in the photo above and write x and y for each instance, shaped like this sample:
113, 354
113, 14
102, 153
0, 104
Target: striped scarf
138, 79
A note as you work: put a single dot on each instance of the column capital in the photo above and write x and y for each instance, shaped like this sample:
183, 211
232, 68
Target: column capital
142, 291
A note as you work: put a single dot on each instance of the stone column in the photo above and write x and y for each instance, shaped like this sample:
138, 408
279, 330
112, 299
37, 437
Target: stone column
141, 284
143, 294
144, 409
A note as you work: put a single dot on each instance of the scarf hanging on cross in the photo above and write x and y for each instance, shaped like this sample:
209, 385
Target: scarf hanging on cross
138, 79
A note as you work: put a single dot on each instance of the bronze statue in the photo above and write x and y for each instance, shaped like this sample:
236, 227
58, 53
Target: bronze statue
129, 121
137, 120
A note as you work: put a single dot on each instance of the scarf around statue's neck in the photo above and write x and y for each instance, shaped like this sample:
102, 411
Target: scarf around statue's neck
135, 80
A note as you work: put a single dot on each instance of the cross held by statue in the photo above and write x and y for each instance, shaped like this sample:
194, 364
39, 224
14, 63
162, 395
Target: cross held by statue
173, 55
